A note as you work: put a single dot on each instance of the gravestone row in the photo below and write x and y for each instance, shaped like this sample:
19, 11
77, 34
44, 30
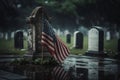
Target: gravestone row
95, 36
95, 41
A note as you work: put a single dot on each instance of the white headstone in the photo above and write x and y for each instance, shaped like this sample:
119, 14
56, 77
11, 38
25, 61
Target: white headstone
66, 32
74, 43
108, 35
93, 40
55, 30
1, 35
117, 35
58, 32
96, 42
78, 40
12, 34
6, 36
25, 33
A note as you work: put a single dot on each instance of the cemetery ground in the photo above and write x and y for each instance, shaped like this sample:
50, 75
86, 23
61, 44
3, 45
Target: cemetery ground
87, 68
7, 47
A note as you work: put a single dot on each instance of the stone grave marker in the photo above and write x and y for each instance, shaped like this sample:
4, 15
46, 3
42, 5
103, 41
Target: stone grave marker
25, 33
78, 40
95, 41
117, 35
68, 38
35, 20
6, 36
108, 37
58, 32
1, 35
12, 34
18, 40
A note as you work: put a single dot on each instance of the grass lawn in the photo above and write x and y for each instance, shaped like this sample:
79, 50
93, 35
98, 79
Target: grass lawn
7, 46
76, 51
109, 46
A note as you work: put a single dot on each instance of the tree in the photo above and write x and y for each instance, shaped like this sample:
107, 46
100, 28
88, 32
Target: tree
90, 12
68, 7
13, 14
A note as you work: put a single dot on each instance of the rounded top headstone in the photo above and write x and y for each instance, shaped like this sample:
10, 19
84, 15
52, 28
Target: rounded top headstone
98, 28
76, 32
96, 39
18, 31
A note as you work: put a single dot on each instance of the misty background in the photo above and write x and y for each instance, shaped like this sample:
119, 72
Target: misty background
68, 15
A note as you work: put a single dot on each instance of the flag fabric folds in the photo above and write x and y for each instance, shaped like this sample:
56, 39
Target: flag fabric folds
54, 44
60, 74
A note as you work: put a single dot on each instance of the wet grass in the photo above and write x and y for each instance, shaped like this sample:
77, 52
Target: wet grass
110, 46
76, 51
7, 46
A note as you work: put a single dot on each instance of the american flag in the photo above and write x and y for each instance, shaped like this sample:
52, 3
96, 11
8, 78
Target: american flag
60, 74
54, 44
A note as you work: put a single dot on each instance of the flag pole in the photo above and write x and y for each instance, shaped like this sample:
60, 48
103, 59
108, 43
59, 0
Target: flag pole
42, 23
42, 56
44, 15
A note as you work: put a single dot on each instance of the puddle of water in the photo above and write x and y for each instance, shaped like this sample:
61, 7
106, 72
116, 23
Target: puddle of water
80, 68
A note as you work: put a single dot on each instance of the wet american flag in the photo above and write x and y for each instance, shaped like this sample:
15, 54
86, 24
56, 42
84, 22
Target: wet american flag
54, 44
60, 74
